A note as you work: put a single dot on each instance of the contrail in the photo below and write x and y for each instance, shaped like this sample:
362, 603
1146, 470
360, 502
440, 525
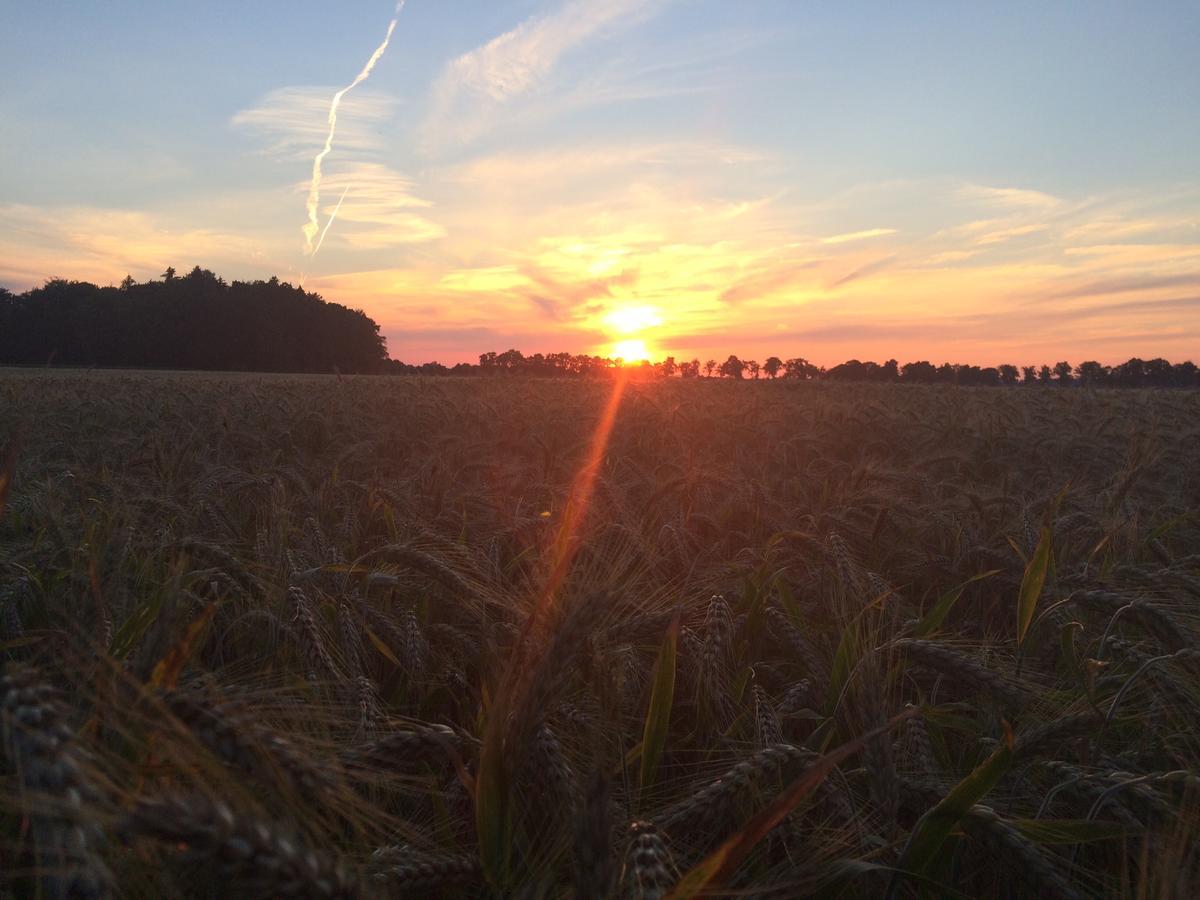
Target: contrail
314, 190
325, 230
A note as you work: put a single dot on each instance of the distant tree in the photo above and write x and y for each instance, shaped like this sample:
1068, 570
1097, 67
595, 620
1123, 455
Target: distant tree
510, 361
852, 370
1029, 374
1158, 372
753, 368
1045, 375
668, 367
921, 372
798, 367
1063, 370
1131, 373
169, 275
732, 367
1008, 373
127, 282
690, 369
772, 366
1091, 373
709, 367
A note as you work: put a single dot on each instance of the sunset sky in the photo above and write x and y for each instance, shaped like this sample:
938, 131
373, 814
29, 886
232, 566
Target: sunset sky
1005, 182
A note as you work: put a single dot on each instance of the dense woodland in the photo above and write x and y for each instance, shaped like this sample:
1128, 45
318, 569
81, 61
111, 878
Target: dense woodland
198, 321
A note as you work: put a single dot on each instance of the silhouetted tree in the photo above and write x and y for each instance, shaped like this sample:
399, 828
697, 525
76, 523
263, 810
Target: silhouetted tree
1063, 371
772, 366
798, 367
921, 372
1091, 373
709, 367
732, 367
194, 322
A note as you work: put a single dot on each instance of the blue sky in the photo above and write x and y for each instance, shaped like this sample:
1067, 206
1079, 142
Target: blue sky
1000, 182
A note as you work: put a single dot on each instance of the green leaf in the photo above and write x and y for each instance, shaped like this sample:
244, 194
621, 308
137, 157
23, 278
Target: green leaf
493, 811
1067, 831
935, 826
933, 619
658, 713
1031, 584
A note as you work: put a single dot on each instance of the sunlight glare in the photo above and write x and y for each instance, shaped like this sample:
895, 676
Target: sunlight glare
630, 319
633, 350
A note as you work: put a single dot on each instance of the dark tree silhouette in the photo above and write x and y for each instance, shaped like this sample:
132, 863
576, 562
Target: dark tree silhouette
732, 368
192, 322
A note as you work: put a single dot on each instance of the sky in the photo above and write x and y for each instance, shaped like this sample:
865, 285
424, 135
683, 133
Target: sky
1003, 182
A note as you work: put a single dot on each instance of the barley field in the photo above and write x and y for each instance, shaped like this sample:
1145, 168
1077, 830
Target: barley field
307, 636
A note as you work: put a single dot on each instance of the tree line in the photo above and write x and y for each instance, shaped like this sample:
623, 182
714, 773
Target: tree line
198, 321
194, 321
1134, 373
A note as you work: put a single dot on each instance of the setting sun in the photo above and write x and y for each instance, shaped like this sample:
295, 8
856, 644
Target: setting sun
630, 351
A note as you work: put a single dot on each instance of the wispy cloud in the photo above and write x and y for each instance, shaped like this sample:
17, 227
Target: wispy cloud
381, 208
104, 245
292, 121
1009, 197
473, 88
380, 201
857, 235
864, 271
1001, 235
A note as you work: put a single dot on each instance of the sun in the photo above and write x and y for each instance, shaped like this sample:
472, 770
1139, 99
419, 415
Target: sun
629, 319
631, 350
627, 325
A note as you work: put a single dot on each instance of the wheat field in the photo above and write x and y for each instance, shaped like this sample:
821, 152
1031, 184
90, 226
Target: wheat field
285, 636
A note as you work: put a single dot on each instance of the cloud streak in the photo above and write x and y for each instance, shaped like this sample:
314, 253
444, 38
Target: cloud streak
294, 120
472, 88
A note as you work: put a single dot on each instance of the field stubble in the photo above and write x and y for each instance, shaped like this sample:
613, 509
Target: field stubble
302, 636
